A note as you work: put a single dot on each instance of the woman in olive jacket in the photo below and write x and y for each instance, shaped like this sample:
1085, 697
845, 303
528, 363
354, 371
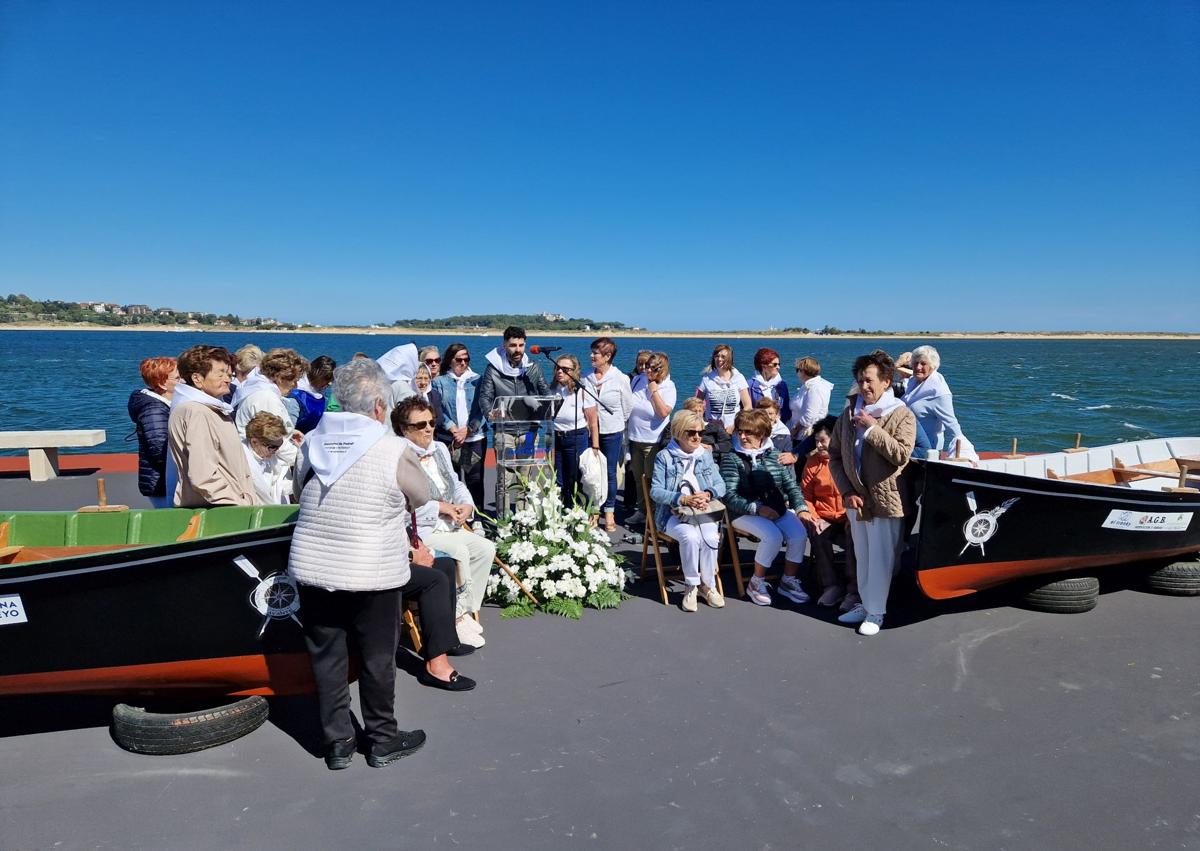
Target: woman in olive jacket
872, 442
763, 498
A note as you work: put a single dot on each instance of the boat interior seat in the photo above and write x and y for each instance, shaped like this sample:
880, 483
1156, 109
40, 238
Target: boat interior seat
275, 515
226, 519
160, 525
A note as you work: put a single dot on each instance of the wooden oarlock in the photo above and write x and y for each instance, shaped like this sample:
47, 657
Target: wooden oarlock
957, 457
1014, 456
102, 500
1077, 447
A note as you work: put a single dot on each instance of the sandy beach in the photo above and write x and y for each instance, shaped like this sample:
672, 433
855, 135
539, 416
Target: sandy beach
640, 333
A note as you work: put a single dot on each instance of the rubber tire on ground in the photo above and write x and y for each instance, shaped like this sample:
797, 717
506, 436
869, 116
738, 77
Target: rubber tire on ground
1181, 579
1065, 596
137, 730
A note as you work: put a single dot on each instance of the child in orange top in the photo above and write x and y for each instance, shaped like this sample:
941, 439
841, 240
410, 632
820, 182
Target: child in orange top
826, 522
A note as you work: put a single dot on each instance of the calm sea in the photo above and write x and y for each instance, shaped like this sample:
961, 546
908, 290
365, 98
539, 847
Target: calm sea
1039, 391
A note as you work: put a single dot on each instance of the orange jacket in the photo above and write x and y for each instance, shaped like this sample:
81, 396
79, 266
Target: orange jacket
821, 494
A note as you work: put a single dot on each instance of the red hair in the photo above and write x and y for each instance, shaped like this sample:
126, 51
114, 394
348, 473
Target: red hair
764, 356
156, 370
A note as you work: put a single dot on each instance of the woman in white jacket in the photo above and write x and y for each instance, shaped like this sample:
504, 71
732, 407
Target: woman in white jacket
277, 376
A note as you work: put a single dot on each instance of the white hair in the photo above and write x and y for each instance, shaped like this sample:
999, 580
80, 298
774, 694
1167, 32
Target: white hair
928, 354
359, 385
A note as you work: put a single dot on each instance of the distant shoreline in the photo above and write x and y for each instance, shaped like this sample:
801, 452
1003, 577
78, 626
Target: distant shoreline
666, 335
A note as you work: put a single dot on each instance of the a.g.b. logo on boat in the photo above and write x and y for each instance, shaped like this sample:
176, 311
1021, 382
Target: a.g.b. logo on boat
982, 525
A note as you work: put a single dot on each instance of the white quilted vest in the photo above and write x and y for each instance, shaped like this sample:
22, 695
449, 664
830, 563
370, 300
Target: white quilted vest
351, 536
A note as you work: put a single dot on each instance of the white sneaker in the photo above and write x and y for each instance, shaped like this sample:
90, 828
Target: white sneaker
468, 636
856, 615
759, 591
713, 597
790, 587
871, 625
689, 598
469, 623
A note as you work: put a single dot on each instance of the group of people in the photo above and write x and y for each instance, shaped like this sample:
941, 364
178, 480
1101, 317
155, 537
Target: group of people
385, 458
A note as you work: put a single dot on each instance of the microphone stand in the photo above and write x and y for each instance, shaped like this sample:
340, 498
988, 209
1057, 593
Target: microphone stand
580, 383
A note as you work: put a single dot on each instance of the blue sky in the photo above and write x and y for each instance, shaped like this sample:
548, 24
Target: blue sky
907, 166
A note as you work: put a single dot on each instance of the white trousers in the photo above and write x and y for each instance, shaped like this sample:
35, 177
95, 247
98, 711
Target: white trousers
771, 535
474, 555
697, 550
876, 543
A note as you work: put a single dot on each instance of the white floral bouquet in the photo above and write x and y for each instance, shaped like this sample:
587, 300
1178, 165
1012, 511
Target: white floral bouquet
558, 554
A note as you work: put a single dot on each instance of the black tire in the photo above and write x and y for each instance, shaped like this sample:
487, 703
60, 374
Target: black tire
1181, 579
137, 730
1065, 596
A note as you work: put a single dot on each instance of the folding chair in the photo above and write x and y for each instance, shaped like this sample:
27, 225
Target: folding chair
653, 537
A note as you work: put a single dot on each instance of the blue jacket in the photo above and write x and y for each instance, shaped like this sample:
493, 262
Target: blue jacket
668, 479
311, 409
149, 417
447, 387
781, 396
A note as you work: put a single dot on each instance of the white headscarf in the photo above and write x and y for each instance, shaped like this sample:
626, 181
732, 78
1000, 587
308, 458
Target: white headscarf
338, 441
254, 382
400, 363
930, 388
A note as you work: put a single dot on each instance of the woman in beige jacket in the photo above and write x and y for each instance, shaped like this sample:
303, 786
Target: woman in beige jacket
872, 442
206, 451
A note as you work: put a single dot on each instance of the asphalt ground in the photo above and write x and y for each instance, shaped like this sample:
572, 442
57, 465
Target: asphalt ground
971, 725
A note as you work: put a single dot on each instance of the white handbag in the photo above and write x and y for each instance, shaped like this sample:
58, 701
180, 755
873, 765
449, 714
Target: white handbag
593, 476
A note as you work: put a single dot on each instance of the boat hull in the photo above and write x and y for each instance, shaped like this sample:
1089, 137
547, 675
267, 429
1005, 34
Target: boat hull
215, 615
980, 528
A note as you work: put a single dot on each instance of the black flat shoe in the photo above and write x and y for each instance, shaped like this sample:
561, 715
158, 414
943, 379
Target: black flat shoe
457, 681
338, 755
384, 754
460, 650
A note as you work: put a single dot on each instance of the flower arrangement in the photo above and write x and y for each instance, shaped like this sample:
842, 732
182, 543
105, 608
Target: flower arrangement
566, 562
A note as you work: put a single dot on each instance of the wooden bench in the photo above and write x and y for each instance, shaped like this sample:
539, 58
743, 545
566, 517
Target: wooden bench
43, 447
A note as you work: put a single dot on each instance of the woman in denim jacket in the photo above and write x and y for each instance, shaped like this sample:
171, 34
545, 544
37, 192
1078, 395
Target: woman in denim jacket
685, 474
456, 384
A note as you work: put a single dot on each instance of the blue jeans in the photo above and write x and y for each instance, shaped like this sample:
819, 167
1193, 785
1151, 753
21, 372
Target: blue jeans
568, 447
611, 445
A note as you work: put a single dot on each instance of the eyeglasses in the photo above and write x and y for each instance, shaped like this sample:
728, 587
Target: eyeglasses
774, 364
462, 358
693, 432
431, 361
421, 424
271, 447
748, 431
562, 368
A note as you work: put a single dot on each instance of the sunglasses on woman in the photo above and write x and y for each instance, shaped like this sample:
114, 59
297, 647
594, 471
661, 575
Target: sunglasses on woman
462, 359
421, 424
693, 432
431, 361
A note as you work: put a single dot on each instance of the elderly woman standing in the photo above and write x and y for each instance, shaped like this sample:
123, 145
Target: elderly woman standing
767, 383
350, 556
442, 523
279, 373
611, 386
763, 498
872, 442
206, 465
654, 395
928, 396
456, 383
685, 475
149, 409
810, 405
723, 389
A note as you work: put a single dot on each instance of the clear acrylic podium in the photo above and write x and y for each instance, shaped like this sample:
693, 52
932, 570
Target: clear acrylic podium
523, 440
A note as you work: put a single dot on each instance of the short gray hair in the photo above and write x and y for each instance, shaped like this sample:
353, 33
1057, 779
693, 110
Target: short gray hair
359, 384
928, 354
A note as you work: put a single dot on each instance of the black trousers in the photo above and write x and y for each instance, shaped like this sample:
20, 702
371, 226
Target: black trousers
434, 589
370, 619
470, 466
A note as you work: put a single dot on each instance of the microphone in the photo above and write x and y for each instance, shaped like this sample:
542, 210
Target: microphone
544, 350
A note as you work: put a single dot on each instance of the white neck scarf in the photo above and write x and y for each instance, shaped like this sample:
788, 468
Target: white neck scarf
157, 396
188, 393
498, 358
254, 382
306, 385
752, 454
768, 382
930, 388
338, 441
882, 407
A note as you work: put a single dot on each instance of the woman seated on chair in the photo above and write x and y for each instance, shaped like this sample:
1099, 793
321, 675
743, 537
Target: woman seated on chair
685, 481
762, 496
442, 522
